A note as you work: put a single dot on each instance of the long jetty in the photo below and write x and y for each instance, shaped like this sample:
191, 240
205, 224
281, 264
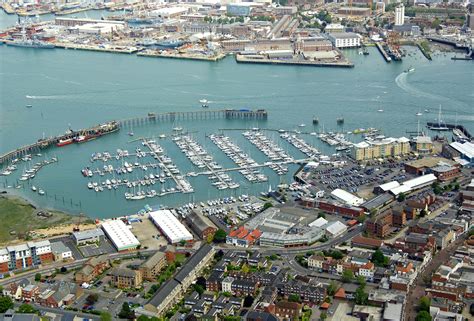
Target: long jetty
196, 115
114, 126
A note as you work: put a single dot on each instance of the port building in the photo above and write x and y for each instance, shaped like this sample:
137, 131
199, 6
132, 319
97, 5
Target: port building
170, 226
346, 197
466, 151
345, 39
120, 235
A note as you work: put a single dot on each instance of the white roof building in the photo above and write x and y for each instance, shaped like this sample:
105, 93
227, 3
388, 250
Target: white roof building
400, 189
347, 197
336, 228
321, 221
120, 235
420, 181
466, 149
170, 226
388, 186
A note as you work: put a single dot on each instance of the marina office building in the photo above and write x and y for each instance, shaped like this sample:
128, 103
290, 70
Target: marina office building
387, 147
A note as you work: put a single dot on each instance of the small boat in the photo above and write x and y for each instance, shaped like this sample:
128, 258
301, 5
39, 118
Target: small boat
380, 110
162, 136
130, 134
340, 120
41, 192
203, 101
315, 120
411, 69
419, 114
29, 106
205, 106
178, 129
302, 125
33, 188
64, 142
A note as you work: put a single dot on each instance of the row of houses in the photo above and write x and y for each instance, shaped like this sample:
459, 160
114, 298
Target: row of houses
173, 290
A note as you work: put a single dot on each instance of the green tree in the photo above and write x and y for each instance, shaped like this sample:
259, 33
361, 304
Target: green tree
347, 276
267, 205
26, 308
323, 316
105, 316
126, 312
321, 214
5, 303
38, 277
379, 259
198, 288
220, 236
401, 197
92, 298
361, 280
248, 301
424, 304
423, 316
332, 288
294, 298
361, 297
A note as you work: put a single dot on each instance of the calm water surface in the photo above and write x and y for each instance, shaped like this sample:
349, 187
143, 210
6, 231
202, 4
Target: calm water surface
78, 89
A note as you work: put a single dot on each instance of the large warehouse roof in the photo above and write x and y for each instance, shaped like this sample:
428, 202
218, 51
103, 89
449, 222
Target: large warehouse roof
120, 235
466, 148
173, 229
388, 186
347, 197
318, 223
336, 228
400, 189
420, 181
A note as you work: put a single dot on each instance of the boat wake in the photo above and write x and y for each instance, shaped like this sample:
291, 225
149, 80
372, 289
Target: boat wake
53, 97
402, 82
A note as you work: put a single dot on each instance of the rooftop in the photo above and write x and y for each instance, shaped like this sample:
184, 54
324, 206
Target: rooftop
120, 234
174, 230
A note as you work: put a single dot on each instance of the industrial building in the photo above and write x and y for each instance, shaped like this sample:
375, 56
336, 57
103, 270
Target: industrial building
88, 236
336, 228
466, 151
170, 226
120, 235
346, 197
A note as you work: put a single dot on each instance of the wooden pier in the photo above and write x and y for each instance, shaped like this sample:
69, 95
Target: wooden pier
205, 114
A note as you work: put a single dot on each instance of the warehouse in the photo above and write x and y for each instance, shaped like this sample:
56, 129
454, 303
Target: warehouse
334, 229
346, 197
170, 226
386, 187
420, 182
320, 222
466, 150
120, 235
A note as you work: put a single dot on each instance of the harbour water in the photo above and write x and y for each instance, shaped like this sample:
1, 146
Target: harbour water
78, 89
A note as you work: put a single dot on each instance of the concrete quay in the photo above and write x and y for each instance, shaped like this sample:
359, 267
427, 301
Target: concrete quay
337, 64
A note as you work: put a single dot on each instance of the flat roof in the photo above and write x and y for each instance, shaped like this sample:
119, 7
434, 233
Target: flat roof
59, 247
120, 234
87, 234
344, 35
347, 197
174, 230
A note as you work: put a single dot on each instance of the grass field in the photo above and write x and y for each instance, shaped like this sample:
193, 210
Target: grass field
18, 217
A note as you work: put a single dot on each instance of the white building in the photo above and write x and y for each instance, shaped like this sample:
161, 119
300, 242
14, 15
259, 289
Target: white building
320, 222
61, 251
170, 226
346, 197
120, 235
345, 39
334, 229
87, 236
227, 284
400, 15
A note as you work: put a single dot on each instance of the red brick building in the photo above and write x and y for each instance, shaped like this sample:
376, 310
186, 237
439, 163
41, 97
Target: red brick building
380, 226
